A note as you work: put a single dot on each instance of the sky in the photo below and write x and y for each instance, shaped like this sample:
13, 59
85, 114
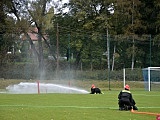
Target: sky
63, 1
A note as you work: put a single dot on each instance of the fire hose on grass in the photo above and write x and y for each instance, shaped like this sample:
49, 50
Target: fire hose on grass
148, 113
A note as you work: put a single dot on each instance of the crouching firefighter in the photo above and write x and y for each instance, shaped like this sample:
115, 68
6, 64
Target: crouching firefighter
126, 101
95, 90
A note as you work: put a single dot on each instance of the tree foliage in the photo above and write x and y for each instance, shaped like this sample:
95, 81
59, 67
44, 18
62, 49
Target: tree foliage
82, 30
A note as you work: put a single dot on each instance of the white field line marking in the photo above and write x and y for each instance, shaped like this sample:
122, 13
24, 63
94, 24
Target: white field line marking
138, 94
146, 95
53, 106
83, 107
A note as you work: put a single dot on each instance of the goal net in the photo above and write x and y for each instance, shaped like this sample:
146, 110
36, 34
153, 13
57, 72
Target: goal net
151, 76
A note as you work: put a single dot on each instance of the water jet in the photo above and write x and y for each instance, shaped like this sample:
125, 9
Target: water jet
32, 88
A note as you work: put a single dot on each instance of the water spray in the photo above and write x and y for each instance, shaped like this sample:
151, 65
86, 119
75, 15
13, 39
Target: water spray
28, 87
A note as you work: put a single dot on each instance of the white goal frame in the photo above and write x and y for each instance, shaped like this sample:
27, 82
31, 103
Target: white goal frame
149, 75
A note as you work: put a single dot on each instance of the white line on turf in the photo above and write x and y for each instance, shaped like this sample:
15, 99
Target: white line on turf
145, 95
83, 107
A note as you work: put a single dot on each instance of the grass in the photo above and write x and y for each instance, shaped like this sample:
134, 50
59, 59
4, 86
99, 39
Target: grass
75, 106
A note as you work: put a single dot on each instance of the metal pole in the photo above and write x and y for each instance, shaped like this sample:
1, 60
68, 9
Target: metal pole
150, 51
69, 57
69, 48
108, 59
57, 71
38, 87
149, 79
124, 77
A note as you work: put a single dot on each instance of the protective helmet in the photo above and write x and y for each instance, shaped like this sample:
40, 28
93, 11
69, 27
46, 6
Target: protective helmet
93, 86
127, 87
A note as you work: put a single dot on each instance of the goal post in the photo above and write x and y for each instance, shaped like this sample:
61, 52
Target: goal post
142, 79
151, 76
133, 77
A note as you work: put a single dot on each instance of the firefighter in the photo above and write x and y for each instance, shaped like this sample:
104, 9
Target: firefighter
95, 90
126, 101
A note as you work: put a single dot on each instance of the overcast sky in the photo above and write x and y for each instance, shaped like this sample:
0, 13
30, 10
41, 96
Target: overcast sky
63, 1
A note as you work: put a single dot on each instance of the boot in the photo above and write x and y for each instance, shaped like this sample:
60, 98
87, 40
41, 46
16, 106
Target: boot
135, 108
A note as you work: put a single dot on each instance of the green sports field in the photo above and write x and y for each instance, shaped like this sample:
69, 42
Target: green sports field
76, 106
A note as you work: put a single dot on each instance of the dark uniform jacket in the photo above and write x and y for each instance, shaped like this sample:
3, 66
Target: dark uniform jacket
126, 96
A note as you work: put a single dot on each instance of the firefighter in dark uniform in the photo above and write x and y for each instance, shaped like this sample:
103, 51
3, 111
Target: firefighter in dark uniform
126, 101
95, 90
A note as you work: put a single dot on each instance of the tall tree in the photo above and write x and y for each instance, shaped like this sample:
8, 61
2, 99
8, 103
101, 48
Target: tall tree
129, 18
2, 23
7, 24
26, 13
92, 16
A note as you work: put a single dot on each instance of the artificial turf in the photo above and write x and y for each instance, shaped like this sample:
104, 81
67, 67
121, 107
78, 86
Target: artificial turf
76, 106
